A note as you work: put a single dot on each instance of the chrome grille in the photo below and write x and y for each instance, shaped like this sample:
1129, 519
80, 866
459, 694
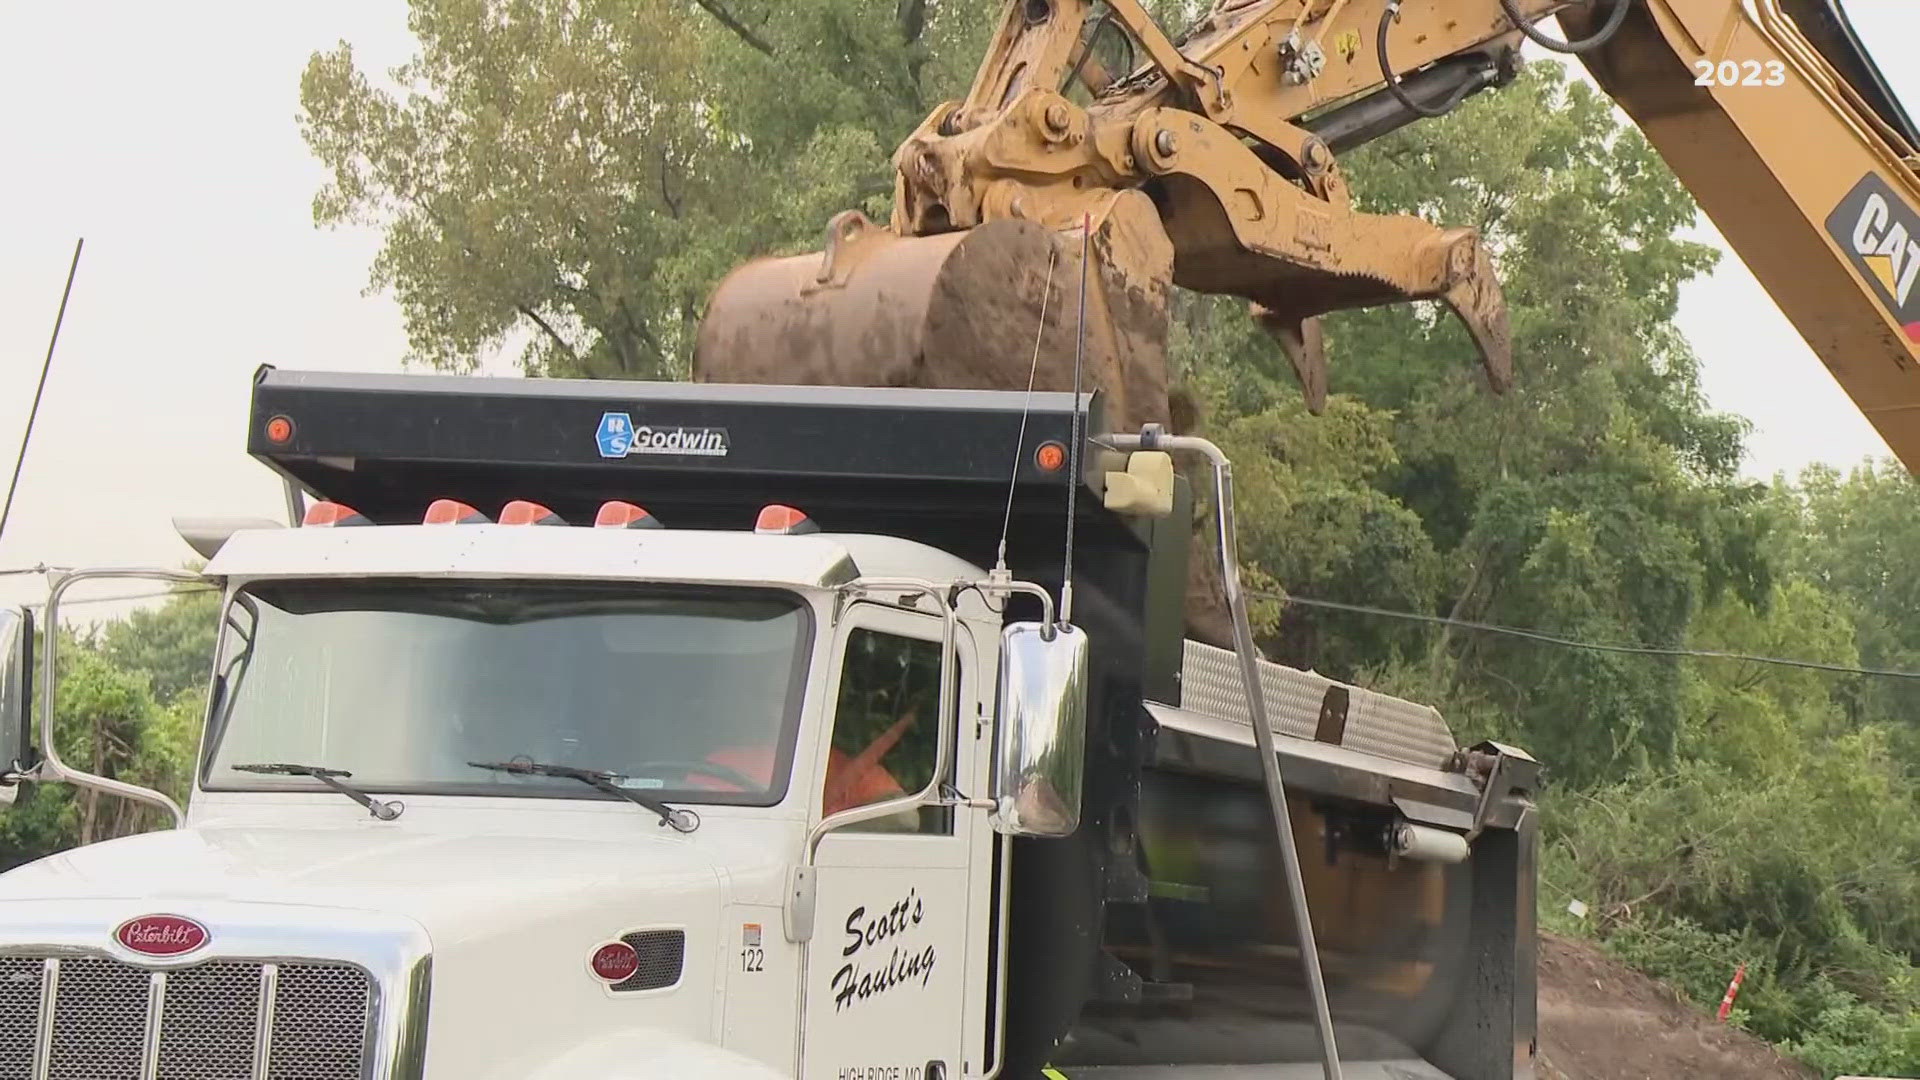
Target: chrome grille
661, 955
211, 1023
19, 1015
320, 1023
99, 1021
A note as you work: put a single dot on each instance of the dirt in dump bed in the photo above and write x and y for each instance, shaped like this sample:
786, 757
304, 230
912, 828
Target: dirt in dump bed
1601, 1020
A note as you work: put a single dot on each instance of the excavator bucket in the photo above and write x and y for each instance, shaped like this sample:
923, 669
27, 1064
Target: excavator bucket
986, 308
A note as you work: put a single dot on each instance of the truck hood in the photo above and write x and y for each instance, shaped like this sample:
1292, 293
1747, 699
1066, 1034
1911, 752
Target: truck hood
443, 881
521, 912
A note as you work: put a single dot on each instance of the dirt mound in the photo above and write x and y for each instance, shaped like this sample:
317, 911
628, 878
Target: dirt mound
1601, 1020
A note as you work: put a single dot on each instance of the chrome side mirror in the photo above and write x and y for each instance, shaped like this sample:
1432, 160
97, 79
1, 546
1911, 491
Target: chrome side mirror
1040, 740
16, 699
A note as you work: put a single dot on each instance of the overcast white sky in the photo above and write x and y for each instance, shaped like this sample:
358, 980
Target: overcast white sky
164, 134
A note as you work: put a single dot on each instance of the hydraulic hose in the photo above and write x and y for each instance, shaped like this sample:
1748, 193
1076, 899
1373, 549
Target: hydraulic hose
1380, 113
1615, 17
1393, 81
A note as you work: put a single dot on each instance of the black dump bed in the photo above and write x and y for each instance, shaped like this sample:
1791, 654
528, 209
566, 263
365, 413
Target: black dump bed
389, 444
936, 466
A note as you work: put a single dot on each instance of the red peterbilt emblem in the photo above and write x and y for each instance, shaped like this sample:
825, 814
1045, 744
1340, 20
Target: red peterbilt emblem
161, 935
616, 961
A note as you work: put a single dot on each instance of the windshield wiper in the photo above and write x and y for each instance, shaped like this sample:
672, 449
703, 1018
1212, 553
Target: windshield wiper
385, 811
680, 820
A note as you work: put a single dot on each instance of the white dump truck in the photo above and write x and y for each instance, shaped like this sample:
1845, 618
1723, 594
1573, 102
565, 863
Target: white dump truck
590, 730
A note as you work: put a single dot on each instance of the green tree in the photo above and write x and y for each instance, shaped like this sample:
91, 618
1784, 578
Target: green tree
172, 644
1857, 537
578, 176
1598, 499
130, 702
1311, 520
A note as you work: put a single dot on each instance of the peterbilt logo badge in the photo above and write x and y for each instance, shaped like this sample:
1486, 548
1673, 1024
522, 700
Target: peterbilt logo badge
614, 962
161, 935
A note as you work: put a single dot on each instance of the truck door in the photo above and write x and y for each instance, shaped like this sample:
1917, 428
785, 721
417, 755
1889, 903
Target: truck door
893, 986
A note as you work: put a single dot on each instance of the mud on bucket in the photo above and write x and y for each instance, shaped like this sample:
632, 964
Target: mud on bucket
957, 310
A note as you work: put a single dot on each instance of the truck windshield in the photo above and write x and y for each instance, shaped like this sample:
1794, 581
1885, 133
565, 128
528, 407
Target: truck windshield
404, 684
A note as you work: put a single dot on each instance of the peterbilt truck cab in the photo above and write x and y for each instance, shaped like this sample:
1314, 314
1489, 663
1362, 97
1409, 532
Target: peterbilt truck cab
597, 730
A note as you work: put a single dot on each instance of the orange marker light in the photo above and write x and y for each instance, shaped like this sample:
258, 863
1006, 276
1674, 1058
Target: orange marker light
522, 512
279, 429
615, 514
783, 521
1051, 457
453, 512
327, 515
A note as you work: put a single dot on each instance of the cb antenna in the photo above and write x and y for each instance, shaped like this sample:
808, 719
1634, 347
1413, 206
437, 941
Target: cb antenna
13, 486
1026, 410
1074, 439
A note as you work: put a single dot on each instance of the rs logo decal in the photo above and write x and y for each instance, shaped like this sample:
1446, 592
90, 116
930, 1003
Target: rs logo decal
1881, 233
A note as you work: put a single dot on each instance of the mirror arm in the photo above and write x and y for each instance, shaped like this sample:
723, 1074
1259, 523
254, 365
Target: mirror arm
1001, 582
953, 796
51, 767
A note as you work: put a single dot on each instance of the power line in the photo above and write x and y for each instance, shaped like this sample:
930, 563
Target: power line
1332, 605
1575, 643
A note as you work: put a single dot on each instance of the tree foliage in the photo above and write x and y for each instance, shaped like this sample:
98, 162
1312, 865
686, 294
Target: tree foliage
129, 704
578, 175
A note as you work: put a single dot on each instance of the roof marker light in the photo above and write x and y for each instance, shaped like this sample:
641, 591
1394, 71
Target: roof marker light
453, 512
327, 515
783, 521
615, 514
522, 512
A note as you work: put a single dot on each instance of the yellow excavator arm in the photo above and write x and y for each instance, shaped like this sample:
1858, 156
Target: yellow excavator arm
1804, 160
1212, 162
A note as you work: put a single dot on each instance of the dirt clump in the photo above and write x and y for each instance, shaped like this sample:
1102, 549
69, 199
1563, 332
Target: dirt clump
1601, 1020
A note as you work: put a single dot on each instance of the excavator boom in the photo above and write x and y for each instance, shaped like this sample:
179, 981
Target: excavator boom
1804, 160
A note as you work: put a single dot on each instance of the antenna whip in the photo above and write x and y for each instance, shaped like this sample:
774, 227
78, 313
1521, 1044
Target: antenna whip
13, 486
1073, 446
1020, 443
